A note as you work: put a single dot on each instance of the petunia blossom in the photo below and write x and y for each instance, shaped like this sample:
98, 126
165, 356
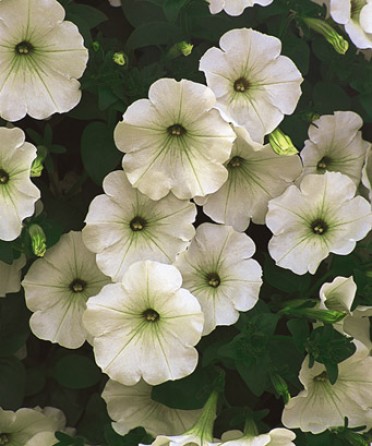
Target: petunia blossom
356, 16
145, 326
322, 405
18, 194
254, 84
219, 271
132, 406
234, 7
322, 216
57, 287
124, 226
174, 141
41, 58
335, 144
256, 174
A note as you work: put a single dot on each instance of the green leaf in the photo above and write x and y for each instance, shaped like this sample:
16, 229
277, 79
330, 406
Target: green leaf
76, 371
14, 329
283, 279
12, 383
297, 50
98, 151
139, 12
95, 418
6, 252
154, 33
188, 393
328, 346
328, 97
78, 13
172, 9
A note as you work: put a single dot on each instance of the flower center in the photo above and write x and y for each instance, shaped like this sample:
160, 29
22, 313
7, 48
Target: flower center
213, 279
319, 226
323, 377
176, 130
78, 285
137, 224
241, 85
24, 48
235, 162
4, 439
4, 176
323, 164
151, 315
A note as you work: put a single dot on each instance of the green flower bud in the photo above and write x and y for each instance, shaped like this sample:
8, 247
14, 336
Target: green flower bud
179, 48
282, 143
119, 58
185, 48
37, 165
280, 387
95, 46
38, 240
336, 40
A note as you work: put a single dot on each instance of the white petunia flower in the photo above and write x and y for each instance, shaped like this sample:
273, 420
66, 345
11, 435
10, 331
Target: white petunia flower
132, 406
219, 271
43, 439
256, 174
322, 405
18, 194
115, 2
276, 437
17, 428
356, 15
145, 326
367, 174
255, 86
10, 276
322, 216
57, 287
234, 7
200, 434
125, 226
335, 144
174, 141
339, 295
41, 56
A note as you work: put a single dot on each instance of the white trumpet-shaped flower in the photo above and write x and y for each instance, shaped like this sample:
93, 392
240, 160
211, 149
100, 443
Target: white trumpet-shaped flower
320, 217
146, 326
124, 226
174, 141
254, 84
41, 58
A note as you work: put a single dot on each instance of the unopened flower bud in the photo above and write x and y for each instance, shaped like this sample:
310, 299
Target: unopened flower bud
119, 58
179, 48
37, 165
280, 387
38, 240
95, 46
185, 48
336, 40
282, 143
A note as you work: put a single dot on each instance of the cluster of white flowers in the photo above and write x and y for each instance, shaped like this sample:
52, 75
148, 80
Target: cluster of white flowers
139, 282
